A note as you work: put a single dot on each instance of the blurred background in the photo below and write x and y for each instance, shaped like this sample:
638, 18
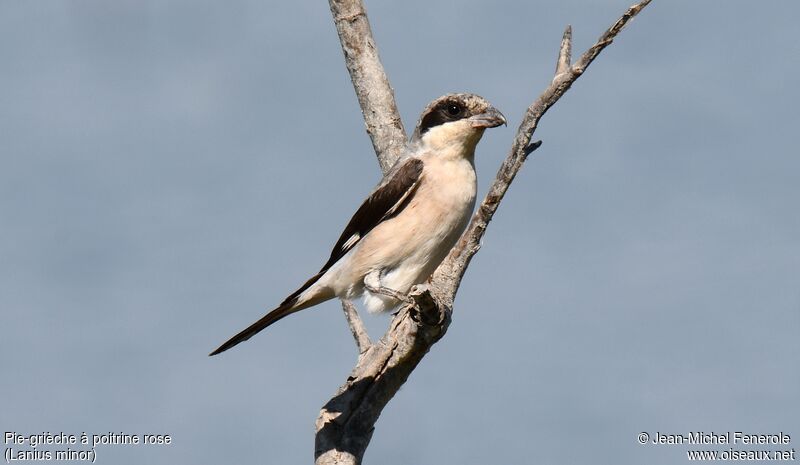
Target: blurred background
171, 170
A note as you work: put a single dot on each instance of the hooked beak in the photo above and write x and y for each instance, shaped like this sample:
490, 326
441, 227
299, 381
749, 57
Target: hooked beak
491, 118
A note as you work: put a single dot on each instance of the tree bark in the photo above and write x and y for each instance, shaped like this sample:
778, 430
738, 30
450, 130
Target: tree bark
346, 423
375, 94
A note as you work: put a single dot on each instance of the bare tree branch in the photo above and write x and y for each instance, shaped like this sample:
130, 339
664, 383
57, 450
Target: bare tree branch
606, 39
448, 276
564, 53
356, 326
346, 423
375, 94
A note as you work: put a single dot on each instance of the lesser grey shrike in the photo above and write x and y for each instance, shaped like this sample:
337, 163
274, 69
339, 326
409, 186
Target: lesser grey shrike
410, 221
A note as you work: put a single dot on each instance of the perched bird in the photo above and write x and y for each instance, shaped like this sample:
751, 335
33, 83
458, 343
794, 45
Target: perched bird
410, 221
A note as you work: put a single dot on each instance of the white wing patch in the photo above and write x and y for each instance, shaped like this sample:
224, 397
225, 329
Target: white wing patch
349, 243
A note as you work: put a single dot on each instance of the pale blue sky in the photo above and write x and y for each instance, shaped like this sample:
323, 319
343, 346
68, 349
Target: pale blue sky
170, 170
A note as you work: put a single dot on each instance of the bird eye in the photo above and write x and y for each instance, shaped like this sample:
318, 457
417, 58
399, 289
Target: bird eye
454, 109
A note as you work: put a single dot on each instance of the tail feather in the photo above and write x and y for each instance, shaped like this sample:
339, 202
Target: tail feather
298, 300
253, 329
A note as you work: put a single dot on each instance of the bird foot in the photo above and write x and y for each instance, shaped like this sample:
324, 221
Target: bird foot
405, 299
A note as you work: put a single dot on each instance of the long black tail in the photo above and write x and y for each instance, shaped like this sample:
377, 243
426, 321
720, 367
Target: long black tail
254, 328
287, 307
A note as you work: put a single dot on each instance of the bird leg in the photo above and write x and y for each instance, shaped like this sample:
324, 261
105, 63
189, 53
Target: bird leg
372, 283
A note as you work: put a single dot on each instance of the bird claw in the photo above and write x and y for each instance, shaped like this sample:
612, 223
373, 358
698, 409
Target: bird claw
405, 299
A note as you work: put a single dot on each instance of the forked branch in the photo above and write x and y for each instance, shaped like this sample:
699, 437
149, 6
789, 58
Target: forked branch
346, 423
448, 276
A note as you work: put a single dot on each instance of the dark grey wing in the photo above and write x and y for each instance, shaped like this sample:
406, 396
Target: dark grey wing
386, 201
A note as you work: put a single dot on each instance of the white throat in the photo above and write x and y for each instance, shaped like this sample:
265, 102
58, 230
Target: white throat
452, 140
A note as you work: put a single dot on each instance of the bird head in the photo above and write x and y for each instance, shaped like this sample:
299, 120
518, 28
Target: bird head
456, 120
